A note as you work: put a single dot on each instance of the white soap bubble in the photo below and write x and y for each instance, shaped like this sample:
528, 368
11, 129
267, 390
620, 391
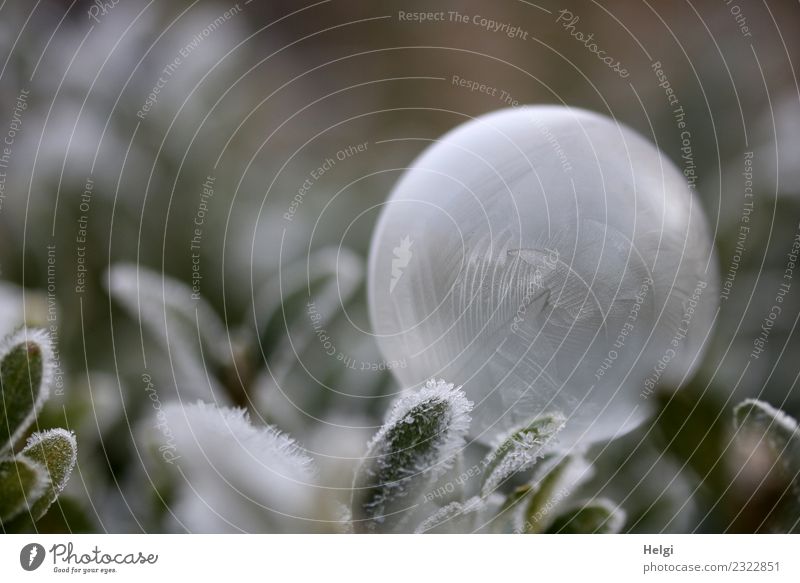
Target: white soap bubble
550, 260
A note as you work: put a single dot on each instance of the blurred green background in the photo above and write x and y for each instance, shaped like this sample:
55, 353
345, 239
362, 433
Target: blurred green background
257, 104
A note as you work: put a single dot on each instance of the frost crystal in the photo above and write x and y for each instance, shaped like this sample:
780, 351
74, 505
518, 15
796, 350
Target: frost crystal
437, 402
553, 482
755, 411
453, 517
423, 433
57, 451
520, 450
26, 374
243, 478
763, 427
22, 481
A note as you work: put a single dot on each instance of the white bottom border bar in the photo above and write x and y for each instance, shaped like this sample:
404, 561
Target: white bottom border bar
400, 558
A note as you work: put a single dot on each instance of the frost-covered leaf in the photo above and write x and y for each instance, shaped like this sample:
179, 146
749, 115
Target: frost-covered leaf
236, 476
22, 482
551, 486
519, 451
779, 430
452, 518
600, 516
25, 376
183, 323
57, 451
74, 515
767, 458
419, 441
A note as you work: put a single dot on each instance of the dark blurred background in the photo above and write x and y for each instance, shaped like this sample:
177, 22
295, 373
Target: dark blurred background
264, 92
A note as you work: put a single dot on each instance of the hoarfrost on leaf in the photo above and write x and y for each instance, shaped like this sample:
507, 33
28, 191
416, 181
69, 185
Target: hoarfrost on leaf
753, 411
520, 450
26, 372
553, 482
243, 477
22, 483
455, 517
760, 424
767, 458
423, 434
57, 451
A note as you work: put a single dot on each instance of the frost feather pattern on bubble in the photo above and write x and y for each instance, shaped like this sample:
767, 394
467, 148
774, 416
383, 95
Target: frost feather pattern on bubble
544, 287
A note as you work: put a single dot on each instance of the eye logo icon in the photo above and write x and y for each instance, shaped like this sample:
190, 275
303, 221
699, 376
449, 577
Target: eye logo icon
31, 556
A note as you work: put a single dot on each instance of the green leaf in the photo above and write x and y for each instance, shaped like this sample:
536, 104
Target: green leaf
420, 440
599, 516
72, 518
25, 372
767, 463
778, 429
519, 451
549, 491
57, 451
507, 519
22, 482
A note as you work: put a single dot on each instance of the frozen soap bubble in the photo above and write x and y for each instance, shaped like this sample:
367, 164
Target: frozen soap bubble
549, 260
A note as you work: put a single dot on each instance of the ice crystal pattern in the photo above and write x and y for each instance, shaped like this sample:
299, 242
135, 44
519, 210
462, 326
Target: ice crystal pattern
561, 263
